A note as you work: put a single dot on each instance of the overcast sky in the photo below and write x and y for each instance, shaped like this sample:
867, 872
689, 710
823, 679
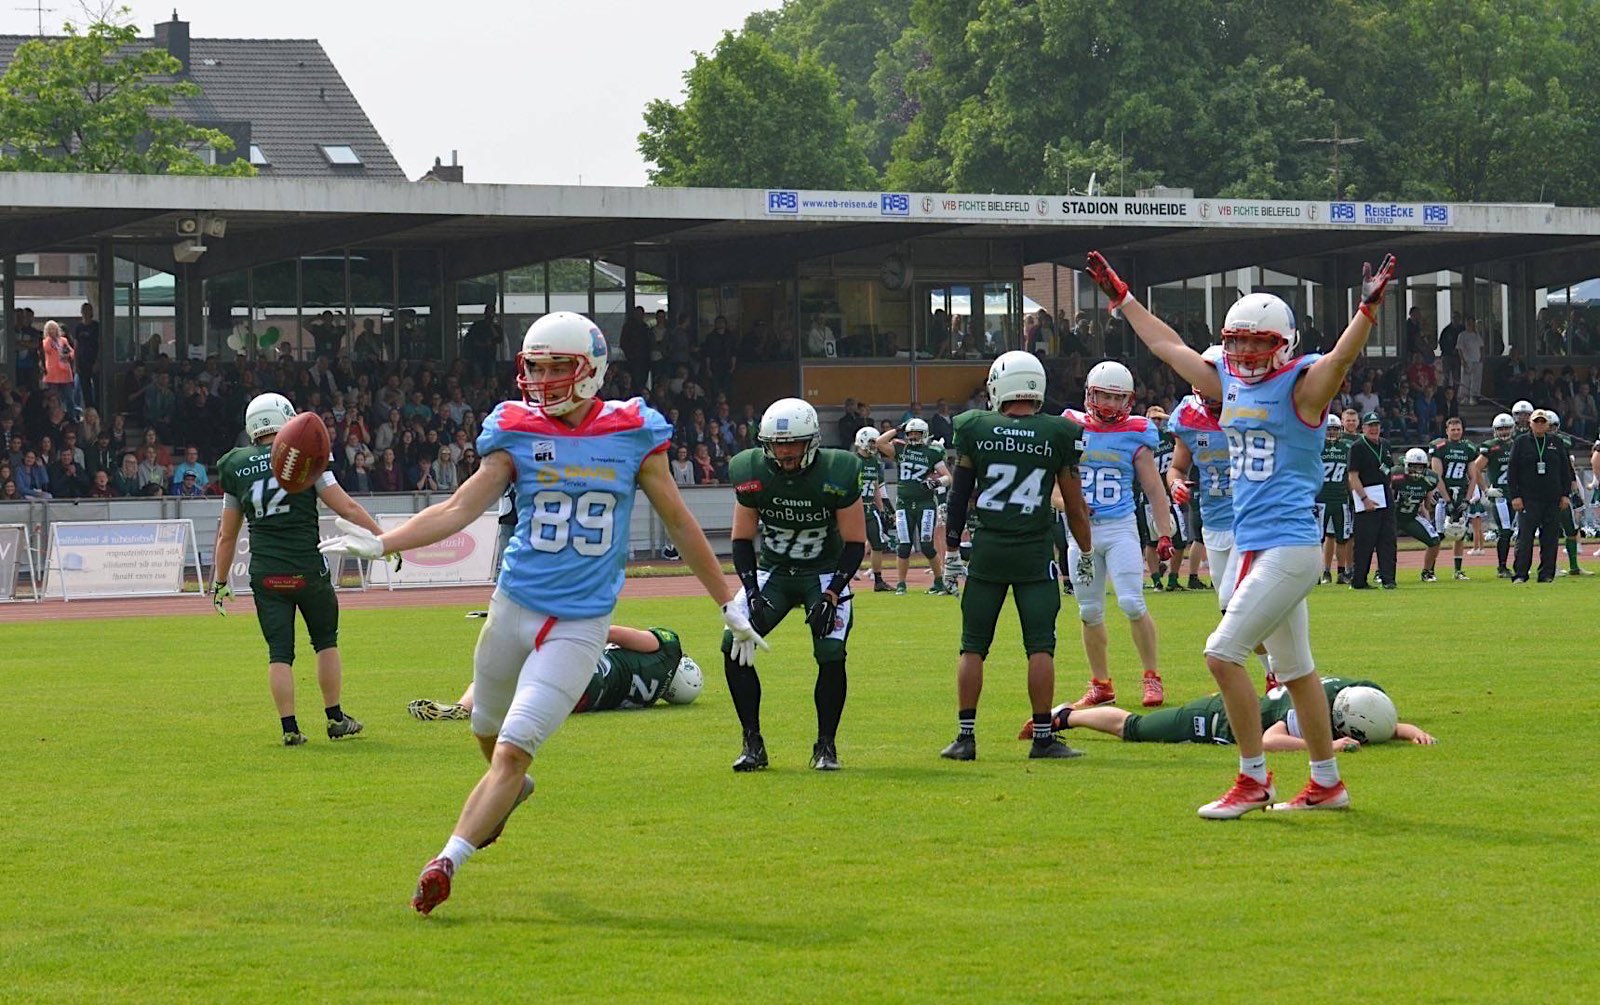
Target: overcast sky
529, 91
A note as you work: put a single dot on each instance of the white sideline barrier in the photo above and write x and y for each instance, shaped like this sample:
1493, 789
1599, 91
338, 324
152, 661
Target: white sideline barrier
120, 558
462, 559
15, 544
239, 573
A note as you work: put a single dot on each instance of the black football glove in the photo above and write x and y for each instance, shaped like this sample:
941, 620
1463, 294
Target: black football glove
821, 615
761, 609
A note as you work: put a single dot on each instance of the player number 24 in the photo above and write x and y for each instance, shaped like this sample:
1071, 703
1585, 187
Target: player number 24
1027, 495
585, 522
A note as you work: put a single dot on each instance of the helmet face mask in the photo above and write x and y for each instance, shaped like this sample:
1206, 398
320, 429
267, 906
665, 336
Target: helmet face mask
1108, 392
1259, 336
790, 435
1364, 714
562, 362
1416, 461
1333, 428
916, 432
866, 443
685, 683
1504, 426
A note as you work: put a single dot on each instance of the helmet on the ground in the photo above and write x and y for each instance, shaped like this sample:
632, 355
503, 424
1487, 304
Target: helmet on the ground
562, 336
685, 683
790, 420
1453, 530
1260, 315
916, 431
1108, 392
1365, 714
1504, 423
1416, 460
866, 441
1016, 376
1522, 410
266, 413
1333, 427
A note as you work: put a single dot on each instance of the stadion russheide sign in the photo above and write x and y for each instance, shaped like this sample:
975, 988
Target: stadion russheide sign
1103, 209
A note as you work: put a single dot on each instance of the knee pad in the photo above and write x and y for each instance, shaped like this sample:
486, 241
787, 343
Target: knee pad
904, 550
1134, 606
1091, 614
927, 549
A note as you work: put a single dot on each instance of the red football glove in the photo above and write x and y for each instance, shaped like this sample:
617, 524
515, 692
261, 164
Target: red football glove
1164, 548
1180, 493
1106, 278
1373, 284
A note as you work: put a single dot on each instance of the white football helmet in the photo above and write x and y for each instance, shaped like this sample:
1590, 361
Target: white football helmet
1416, 460
1261, 315
866, 441
266, 413
790, 420
1555, 420
1504, 426
1364, 714
1521, 412
1453, 530
1108, 392
1334, 427
916, 431
562, 336
1016, 376
685, 683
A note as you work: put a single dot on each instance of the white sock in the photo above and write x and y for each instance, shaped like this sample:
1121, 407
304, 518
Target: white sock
1266, 661
457, 850
1255, 767
1325, 773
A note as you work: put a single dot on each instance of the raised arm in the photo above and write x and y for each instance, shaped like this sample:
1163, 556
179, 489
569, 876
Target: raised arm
885, 442
1324, 378
1165, 343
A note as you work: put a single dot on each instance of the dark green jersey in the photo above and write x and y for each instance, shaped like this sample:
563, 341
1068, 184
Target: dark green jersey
1456, 457
628, 679
871, 478
1498, 468
799, 529
1407, 492
913, 464
1162, 455
1015, 460
1277, 706
283, 525
1335, 471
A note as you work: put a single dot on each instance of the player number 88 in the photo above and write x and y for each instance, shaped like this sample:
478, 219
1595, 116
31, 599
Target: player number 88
1251, 454
555, 513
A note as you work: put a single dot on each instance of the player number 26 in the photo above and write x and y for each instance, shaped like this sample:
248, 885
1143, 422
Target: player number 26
1102, 486
1252, 454
585, 522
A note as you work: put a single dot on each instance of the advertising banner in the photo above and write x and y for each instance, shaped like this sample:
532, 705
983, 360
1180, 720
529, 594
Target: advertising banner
239, 574
464, 558
13, 553
115, 558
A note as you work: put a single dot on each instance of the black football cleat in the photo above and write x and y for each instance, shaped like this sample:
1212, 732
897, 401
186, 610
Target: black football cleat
344, 727
754, 755
962, 748
1052, 749
824, 756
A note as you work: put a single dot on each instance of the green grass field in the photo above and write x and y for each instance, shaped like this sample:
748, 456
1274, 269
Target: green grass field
161, 846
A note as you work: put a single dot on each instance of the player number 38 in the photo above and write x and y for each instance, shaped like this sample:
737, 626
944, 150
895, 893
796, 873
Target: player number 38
585, 522
1252, 454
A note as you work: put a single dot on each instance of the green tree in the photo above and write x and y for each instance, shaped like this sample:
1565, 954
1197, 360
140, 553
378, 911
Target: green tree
95, 102
754, 117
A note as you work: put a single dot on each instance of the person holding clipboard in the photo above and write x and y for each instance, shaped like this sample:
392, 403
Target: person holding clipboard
1538, 478
1370, 457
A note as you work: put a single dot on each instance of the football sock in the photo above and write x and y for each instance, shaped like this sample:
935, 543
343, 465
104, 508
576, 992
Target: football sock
1458, 565
1265, 661
1341, 570
1325, 570
1254, 767
1503, 546
829, 695
458, 849
745, 687
290, 724
1572, 553
1041, 727
334, 713
967, 721
1325, 773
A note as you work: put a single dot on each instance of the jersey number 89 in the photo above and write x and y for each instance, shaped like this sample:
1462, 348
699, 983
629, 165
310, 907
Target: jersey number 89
556, 513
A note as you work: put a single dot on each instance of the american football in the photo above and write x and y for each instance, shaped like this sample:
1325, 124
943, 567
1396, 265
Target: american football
300, 452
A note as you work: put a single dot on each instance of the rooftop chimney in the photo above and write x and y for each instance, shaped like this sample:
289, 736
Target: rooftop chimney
174, 37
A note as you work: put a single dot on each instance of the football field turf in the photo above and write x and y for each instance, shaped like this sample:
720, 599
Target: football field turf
161, 846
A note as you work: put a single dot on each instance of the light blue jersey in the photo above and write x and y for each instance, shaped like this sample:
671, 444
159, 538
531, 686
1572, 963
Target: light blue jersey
1209, 461
575, 489
1107, 465
1276, 459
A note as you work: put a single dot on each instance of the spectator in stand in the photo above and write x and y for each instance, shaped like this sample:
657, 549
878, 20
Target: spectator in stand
416, 409
160, 405
356, 478
388, 476
369, 346
59, 361
353, 448
705, 470
682, 466
422, 479
190, 465
100, 455
90, 424
444, 471
387, 432
1449, 337
1446, 407
459, 446
67, 480
941, 424
26, 342
467, 466
483, 341
914, 411
100, 486
1582, 410
721, 351
9, 491
15, 454
46, 449
1367, 399
635, 343
681, 342
849, 422
1413, 342
125, 481
742, 440
1469, 351
119, 432
408, 449
153, 475
1419, 373
188, 486
86, 340
69, 442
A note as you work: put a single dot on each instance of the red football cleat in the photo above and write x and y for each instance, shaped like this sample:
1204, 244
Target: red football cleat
1154, 693
433, 886
1100, 693
1247, 794
1272, 681
1317, 797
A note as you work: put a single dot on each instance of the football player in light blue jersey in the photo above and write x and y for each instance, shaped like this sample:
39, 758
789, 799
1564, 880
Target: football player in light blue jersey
575, 462
1273, 404
1203, 447
1118, 448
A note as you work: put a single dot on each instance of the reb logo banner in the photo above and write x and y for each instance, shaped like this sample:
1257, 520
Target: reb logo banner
786, 202
1342, 212
894, 204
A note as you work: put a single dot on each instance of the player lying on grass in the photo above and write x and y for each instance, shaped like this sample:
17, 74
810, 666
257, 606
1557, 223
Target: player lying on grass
637, 668
1361, 712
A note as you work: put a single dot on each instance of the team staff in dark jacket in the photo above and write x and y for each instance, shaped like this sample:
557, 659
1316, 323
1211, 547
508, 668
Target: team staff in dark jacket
1539, 477
1375, 529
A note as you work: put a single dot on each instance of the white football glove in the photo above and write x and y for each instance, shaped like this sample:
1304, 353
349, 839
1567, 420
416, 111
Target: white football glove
1084, 574
352, 540
1496, 493
954, 565
736, 615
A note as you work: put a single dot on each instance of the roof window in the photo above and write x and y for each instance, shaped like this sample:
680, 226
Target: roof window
341, 154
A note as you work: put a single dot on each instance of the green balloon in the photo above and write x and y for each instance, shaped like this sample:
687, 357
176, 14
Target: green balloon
269, 338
